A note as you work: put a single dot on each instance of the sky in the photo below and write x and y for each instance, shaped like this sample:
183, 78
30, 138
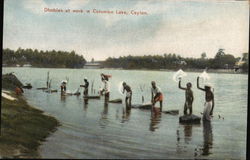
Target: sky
184, 27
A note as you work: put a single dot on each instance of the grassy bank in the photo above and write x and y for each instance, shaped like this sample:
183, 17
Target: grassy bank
23, 128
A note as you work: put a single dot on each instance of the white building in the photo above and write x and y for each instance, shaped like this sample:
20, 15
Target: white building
92, 65
27, 65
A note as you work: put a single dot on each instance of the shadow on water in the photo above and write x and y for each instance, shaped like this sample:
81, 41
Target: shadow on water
126, 111
63, 99
155, 120
103, 122
207, 138
205, 149
187, 133
187, 137
85, 104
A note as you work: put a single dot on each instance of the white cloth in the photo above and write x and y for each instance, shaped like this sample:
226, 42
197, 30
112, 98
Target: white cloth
188, 105
106, 86
155, 90
207, 110
128, 94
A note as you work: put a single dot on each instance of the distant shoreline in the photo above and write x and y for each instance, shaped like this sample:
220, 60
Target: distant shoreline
228, 71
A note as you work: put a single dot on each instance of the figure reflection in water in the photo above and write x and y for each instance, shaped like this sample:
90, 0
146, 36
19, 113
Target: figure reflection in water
187, 133
207, 137
155, 119
63, 97
104, 118
126, 113
85, 104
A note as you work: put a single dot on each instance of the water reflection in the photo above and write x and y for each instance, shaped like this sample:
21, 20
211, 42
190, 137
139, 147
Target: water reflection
85, 106
207, 138
155, 120
178, 146
187, 133
103, 122
86, 101
63, 98
126, 111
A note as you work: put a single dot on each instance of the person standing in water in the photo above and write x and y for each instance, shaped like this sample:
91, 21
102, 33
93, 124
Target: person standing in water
86, 87
105, 88
209, 98
128, 94
63, 87
156, 95
189, 97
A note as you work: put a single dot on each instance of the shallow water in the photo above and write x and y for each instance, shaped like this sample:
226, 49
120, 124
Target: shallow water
97, 130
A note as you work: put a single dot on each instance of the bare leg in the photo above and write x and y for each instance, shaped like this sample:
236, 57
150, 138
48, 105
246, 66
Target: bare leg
185, 108
190, 109
130, 99
126, 100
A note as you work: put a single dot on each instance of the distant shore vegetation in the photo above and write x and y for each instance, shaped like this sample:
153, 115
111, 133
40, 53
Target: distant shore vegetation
174, 61
35, 58
171, 61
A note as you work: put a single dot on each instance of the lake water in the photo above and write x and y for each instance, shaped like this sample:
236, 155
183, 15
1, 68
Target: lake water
97, 130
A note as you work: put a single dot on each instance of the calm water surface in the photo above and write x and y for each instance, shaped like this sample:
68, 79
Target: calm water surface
97, 130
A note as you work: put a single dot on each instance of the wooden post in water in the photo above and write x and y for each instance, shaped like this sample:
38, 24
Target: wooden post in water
47, 83
92, 86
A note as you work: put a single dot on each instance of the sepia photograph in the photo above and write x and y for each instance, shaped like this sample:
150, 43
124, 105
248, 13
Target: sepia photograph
124, 79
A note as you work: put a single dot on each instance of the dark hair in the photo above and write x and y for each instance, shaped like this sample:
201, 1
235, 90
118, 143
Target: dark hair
189, 84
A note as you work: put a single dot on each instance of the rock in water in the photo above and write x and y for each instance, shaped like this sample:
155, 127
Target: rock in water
42, 88
172, 112
51, 90
92, 97
116, 101
191, 119
27, 86
142, 106
10, 81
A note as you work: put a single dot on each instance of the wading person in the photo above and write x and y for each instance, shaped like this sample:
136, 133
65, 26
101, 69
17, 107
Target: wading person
128, 94
105, 90
209, 98
86, 87
156, 95
189, 97
63, 87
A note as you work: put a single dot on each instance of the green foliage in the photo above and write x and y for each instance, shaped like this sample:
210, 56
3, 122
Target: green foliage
245, 66
23, 128
43, 59
172, 61
203, 55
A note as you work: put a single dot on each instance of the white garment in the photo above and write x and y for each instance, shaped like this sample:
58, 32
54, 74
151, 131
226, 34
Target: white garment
106, 86
77, 91
128, 94
207, 110
155, 90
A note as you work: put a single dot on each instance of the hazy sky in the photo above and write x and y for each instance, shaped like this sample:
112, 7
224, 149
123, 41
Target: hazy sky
183, 27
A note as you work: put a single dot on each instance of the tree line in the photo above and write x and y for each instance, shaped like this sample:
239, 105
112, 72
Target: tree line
52, 58
174, 61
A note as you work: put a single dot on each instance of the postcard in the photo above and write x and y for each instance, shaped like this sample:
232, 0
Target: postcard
121, 79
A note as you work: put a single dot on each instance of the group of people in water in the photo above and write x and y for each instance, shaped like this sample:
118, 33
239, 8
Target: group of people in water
156, 95
209, 99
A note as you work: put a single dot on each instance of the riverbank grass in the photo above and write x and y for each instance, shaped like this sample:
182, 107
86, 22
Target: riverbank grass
23, 128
